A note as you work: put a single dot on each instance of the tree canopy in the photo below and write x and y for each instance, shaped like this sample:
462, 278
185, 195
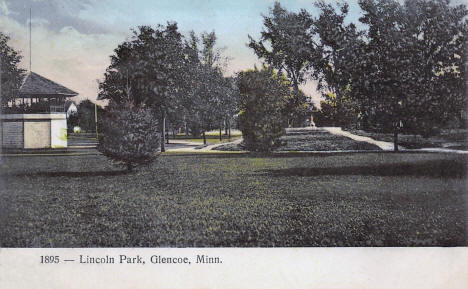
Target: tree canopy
408, 73
12, 75
287, 43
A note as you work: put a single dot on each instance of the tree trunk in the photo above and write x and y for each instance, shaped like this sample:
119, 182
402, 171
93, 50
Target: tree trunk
220, 133
167, 134
395, 139
204, 138
225, 127
229, 132
163, 133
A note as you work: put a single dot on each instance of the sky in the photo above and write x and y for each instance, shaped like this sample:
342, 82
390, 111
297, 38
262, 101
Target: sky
73, 39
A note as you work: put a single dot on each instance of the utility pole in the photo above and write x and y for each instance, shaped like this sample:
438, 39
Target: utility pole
95, 120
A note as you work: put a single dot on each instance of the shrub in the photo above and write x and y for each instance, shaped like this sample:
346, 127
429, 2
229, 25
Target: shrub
129, 136
262, 99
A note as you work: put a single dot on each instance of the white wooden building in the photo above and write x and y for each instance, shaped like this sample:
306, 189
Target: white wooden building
36, 118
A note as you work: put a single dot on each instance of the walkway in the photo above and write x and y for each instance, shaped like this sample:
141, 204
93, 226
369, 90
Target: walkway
383, 145
186, 146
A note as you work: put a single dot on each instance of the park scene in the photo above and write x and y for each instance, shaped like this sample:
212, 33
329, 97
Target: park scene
348, 128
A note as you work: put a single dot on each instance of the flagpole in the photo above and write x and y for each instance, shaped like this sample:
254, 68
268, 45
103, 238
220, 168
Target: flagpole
30, 42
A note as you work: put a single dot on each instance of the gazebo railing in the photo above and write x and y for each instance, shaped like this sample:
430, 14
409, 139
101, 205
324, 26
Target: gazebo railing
35, 108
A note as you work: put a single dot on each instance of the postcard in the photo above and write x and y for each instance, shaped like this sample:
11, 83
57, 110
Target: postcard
233, 144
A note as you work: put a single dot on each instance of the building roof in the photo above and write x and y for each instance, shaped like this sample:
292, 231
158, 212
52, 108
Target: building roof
35, 85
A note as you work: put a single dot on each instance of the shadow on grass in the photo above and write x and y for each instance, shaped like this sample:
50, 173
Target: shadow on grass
69, 174
286, 154
435, 169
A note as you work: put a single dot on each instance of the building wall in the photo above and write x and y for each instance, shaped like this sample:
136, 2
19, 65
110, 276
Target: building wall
36, 134
58, 133
34, 131
12, 134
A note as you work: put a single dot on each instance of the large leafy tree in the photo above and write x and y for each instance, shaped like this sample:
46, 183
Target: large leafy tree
287, 44
149, 71
437, 33
121, 81
376, 80
406, 76
338, 43
11, 74
212, 95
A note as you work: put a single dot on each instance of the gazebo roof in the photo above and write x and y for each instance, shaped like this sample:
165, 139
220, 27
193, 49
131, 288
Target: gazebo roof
35, 85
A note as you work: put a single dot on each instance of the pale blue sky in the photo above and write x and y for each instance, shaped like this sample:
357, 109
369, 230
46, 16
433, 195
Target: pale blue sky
72, 40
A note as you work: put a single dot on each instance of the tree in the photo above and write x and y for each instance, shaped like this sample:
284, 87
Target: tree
406, 75
212, 96
128, 135
262, 97
436, 33
149, 71
293, 51
338, 42
335, 112
11, 74
85, 116
181, 80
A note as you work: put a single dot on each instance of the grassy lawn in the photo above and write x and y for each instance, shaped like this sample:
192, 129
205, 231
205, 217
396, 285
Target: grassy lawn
307, 140
366, 199
321, 141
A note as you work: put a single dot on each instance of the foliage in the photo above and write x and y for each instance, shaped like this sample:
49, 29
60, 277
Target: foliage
146, 70
408, 72
292, 47
262, 95
12, 75
212, 96
336, 112
149, 71
129, 136
85, 116
337, 44
293, 50
178, 77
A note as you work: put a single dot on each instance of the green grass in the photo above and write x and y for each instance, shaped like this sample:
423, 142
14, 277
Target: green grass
367, 199
308, 140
